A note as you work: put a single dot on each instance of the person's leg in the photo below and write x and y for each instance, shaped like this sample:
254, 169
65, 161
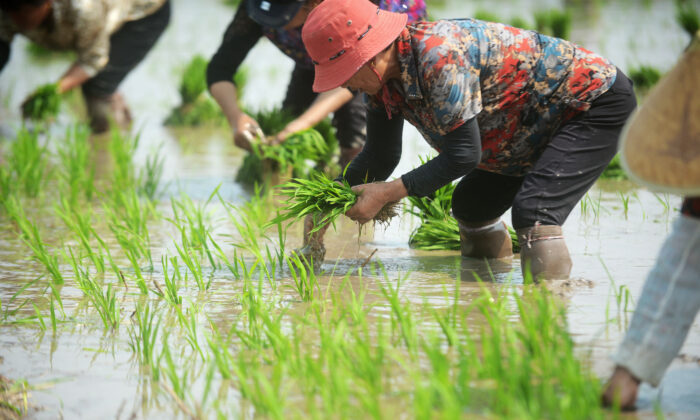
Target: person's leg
478, 202
578, 153
350, 122
128, 46
666, 309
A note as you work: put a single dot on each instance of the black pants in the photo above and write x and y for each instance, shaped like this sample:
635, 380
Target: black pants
574, 159
127, 47
350, 120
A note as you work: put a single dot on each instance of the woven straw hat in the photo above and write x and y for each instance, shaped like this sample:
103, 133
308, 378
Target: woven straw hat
660, 147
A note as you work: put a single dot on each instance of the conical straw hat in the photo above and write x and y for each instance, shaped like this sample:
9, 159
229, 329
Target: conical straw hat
660, 146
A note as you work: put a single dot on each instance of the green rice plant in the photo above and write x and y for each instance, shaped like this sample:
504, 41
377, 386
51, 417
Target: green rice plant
29, 233
80, 223
644, 78
8, 313
150, 176
554, 22
614, 170
143, 336
28, 163
122, 149
305, 282
14, 397
193, 223
323, 198
403, 323
191, 327
172, 281
202, 110
177, 383
77, 165
688, 16
43, 104
625, 202
104, 301
127, 217
40, 53
520, 22
486, 16
194, 79
296, 150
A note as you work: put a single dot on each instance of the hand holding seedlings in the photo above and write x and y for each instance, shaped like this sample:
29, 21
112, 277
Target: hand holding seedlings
246, 130
43, 104
373, 197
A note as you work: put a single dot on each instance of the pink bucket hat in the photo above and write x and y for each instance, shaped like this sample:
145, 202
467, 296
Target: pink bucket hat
342, 35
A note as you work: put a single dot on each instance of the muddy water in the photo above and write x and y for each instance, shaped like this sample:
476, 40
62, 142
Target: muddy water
92, 373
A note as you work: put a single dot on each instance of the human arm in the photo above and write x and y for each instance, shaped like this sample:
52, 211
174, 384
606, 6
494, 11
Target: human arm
239, 38
4, 53
324, 104
461, 154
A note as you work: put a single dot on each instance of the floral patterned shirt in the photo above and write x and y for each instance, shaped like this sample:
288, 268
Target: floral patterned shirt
289, 40
520, 85
83, 26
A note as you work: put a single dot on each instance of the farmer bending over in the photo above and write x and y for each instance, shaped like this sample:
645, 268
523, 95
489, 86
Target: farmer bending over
110, 37
527, 120
281, 21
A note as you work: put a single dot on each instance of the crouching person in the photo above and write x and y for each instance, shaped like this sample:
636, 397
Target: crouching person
109, 37
528, 121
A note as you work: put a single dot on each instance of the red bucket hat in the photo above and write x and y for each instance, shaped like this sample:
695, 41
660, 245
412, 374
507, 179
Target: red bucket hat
342, 35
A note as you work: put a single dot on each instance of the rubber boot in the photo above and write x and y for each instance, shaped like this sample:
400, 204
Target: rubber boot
543, 251
490, 240
103, 110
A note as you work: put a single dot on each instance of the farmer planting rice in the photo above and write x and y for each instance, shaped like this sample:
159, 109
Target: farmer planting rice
527, 120
280, 21
109, 37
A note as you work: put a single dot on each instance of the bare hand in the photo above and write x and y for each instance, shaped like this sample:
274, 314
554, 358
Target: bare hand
247, 129
371, 199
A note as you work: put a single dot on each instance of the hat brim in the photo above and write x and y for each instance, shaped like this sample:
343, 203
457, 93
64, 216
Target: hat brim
277, 16
335, 73
658, 147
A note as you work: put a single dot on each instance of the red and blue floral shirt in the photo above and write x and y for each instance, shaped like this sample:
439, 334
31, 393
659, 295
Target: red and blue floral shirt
520, 86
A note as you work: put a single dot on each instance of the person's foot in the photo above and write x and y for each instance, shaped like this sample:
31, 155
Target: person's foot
103, 110
621, 389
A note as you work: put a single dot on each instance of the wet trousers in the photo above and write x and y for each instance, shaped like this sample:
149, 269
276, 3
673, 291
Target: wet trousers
577, 154
350, 120
128, 46
667, 307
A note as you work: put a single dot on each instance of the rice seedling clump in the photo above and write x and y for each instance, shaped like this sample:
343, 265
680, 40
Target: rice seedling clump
43, 104
324, 198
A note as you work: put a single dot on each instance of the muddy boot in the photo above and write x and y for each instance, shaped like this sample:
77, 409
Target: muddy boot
543, 251
490, 240
347, 154
104, 110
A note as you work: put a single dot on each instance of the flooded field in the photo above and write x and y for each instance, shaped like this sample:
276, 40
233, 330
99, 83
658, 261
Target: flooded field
157, 291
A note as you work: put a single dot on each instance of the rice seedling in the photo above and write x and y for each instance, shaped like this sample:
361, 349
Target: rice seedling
14, 401
688, 16
172, 281
27, 163
439, 230
644, 78
43, 104
122, 150
77, 165
193, 222
554, 22
150, 176
80, 223
614, 170
143, 335
305, 282
30, 235
486, 16
196, 106
104, 301
323, 198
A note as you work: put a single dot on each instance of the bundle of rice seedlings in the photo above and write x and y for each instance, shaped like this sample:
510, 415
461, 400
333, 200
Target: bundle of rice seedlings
323, 198
197, 107
43, 104
443, 234
317, 145
644, 78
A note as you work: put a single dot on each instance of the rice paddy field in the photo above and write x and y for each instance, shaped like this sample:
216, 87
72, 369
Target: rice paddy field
138, 279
